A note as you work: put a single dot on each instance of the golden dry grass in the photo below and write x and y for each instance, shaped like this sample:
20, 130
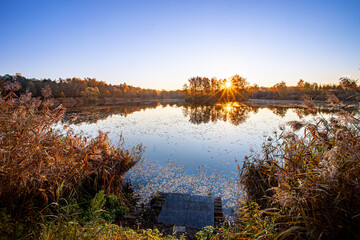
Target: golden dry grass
309, 176
35, 159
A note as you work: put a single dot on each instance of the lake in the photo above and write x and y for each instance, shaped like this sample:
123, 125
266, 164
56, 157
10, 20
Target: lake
189, 149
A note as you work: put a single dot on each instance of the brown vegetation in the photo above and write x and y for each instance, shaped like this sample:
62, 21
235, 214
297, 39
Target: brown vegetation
39, 165
308, 183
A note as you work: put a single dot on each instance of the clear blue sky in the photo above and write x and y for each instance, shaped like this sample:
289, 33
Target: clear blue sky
160, 44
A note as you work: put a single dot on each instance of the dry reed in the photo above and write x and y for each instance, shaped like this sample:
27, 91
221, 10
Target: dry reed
39, 165
310, 178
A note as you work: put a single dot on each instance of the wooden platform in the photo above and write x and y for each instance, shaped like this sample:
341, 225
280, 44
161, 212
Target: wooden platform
188, 210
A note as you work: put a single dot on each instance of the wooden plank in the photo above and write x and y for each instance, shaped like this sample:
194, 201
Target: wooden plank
188, 210
193, 217
200, 211
175, 209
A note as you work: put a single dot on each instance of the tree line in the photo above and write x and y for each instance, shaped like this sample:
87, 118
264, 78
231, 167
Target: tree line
87, 88
206, 90
344, 90
198, 89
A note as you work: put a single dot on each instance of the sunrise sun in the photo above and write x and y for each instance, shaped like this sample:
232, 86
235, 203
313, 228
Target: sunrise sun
228, 84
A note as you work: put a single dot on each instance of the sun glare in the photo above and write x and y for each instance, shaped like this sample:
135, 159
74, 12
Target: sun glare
227, 84
228, 107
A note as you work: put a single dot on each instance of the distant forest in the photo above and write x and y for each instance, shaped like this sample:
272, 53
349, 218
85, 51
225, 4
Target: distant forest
236, 88
88, 88
197, 90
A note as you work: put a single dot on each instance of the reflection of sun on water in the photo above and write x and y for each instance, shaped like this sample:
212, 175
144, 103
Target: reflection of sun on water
228, 107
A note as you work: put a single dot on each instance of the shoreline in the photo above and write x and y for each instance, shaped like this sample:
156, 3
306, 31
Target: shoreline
71, 102
292, 103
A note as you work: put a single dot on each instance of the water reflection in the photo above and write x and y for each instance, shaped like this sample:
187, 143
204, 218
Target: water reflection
236, 113
92, 114
280, 111
233, 112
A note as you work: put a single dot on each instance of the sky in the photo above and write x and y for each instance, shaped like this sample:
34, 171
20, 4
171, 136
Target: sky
161, 44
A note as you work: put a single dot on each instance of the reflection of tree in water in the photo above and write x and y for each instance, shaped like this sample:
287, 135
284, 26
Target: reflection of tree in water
280, 111
235, 113
92, 114
303, 112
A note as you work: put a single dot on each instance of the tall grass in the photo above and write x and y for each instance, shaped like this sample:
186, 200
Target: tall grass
308, 177
39, 165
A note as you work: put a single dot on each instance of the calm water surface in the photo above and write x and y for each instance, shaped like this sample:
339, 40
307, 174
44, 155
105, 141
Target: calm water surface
188, 149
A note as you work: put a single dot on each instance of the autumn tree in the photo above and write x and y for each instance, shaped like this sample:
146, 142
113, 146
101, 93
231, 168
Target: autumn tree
281, 89
238, 82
